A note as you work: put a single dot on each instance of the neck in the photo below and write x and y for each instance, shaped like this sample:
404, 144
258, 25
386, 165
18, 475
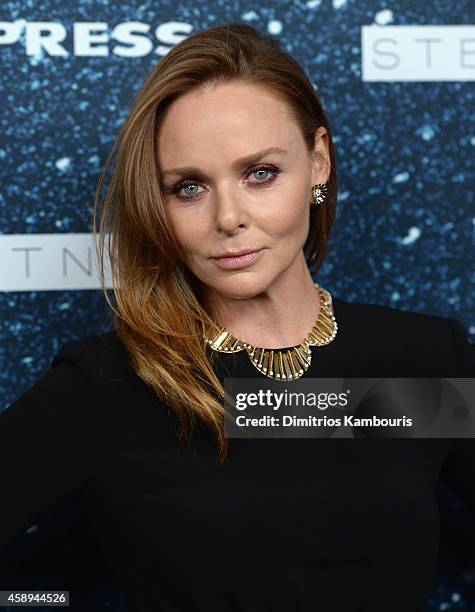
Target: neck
278, 317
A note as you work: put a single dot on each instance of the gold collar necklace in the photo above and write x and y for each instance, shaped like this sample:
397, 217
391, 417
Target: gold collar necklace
283, 364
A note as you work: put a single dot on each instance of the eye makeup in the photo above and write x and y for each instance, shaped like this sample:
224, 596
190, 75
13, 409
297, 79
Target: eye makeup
196, 181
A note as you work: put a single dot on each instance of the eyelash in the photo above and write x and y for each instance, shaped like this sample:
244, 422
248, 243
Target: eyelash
185, 183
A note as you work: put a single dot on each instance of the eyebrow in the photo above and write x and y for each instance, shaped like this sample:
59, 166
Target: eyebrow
237, 164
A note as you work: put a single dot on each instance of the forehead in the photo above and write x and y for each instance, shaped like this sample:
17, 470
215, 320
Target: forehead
224, 122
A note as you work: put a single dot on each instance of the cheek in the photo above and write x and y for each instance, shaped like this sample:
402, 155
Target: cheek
289, 216
188, 229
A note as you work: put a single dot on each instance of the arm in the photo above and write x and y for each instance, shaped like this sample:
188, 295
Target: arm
459, 467
48, 442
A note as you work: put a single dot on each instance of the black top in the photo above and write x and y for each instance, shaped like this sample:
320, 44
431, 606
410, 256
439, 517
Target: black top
284, 525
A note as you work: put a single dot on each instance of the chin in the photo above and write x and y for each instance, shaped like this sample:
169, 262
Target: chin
242, 285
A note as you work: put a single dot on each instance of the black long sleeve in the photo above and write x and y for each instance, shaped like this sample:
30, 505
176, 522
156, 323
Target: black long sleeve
49, 444
284, 524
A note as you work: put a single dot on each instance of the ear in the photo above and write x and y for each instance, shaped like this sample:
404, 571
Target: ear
321, 157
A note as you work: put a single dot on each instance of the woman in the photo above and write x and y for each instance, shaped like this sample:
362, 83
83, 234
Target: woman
227, 149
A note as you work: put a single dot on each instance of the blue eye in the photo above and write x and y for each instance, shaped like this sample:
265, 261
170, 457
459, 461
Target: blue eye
187, 186
255, 172
272, 170
189, 195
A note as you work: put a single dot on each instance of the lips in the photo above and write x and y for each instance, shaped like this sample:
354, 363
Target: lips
240, 261
226, 254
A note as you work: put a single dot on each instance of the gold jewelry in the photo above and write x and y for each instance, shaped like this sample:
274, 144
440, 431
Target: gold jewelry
319, 193
288, 364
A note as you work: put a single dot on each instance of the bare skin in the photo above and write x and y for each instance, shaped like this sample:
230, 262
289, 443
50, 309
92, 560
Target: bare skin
262, 204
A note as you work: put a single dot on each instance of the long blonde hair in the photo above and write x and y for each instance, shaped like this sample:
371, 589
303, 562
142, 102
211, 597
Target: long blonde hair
159, 306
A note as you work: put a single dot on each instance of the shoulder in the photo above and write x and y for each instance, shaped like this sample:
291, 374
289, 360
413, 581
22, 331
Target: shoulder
103, 363
437, 341
100, 357
364, 317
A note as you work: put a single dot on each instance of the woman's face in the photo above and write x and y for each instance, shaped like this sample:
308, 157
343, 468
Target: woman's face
224, 192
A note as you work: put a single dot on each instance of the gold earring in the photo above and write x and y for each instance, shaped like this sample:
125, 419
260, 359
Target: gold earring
319, 193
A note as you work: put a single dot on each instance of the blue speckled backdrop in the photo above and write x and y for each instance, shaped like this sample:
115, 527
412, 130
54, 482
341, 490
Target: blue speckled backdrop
405, 228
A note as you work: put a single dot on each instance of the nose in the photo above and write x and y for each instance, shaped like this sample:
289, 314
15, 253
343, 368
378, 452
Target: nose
229, 210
